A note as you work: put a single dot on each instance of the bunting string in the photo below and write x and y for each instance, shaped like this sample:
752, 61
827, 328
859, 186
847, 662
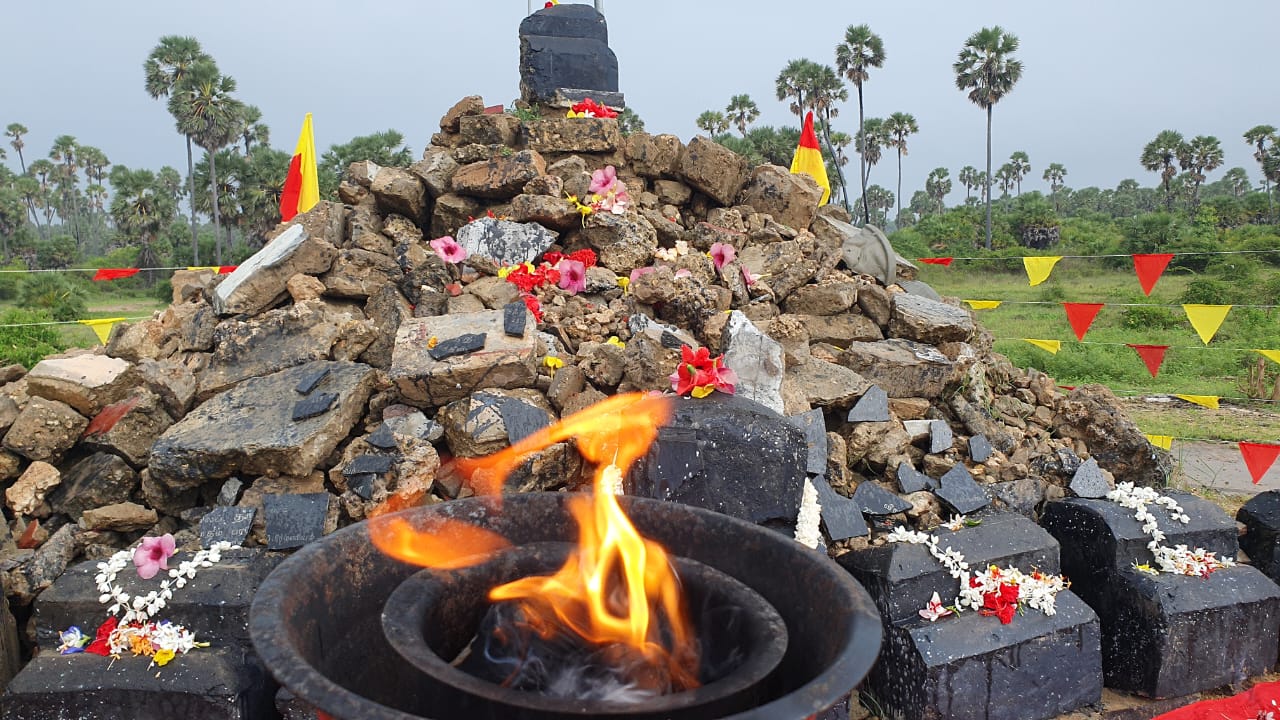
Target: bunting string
116, 273
993, 304
946, 261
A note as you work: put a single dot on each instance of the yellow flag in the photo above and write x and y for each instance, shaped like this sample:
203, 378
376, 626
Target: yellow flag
101, 327
302, 182
198, 268
1209, 401
808, 158
1053, 346
1206, 319
984, 304
1272, 355
1164, 442
1038, 268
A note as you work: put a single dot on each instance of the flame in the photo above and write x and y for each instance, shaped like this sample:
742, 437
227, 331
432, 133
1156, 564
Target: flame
618, 588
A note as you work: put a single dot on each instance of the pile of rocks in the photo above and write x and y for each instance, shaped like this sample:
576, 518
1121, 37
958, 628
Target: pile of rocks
332, 371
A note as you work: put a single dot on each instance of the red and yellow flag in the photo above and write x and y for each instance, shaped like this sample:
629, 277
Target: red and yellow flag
808, 158
302, 186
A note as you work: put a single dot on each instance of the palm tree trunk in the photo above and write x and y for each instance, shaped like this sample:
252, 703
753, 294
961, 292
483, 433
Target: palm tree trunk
897, 209
217, 229
988, 177
826, 135
862, 161
191, 180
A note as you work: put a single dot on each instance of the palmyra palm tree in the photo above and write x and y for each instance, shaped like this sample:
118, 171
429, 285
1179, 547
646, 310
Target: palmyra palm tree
1055, 175
898, 126
742, 111
1161, 155
166, 66
860, 51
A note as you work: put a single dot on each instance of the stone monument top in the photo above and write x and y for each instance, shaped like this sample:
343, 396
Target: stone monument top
565, 57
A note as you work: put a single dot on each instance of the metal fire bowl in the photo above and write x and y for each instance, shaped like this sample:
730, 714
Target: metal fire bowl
434, 614
316, 619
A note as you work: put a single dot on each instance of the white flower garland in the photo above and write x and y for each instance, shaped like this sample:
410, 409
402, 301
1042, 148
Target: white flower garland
141, 608
1179, 559
1038, 590
809, 517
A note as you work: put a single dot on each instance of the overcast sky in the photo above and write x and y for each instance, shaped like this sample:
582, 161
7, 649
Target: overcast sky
1100, 79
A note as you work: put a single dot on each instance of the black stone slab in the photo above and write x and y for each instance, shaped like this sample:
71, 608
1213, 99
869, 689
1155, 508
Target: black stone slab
294, 520
362, 485
670, 341
368, 464
383, 438
548, 63
875, 500
901, 577
1261, 539
313, 406
514, 316
522, 419
1099, 536
1088, 481
217, 683
814, 427
214, 604
461, 345
911, 480
958, 489
576, 21
731, 455
311, 380
1174, 635
841, 516
969, 666
940, 437
226, 524
979, 448
873, 406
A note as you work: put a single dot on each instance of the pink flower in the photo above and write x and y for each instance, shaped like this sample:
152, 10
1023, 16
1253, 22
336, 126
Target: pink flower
748, 277
935, 609
722, 253
641, 272
573, 276
602, 180
153, 555
448, 249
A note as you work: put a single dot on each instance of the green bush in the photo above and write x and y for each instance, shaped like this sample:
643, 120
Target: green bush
1143, 317
1207, 291
62, 298
27, 345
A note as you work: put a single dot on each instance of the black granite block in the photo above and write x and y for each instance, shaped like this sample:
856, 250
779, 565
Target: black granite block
226, 523
1168, 635
313, 406
911, 480
362, 485
979, 448
901, 577
1099, 537
1261, 540
548, 63
970, 666
461, 345
841, 516
311, 379
959, 490
514, 316
294, 520
215, 603
218, 683
875, 500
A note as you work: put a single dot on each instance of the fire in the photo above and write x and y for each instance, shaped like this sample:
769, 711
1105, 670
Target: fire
618, 589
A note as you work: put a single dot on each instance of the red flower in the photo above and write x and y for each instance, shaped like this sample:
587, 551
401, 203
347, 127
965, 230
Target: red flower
534, 306
586, 256
523, 279
552, 257
99, 644
1002, 603
698, 373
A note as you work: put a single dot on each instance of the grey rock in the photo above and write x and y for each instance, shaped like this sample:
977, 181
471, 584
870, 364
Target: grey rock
1088, 481
979, 448
97, 480
504, 242
756, 358
875, 500
45, 430
506, 362
865, 250
901, 368
873, 406
814, 427
940, 437
841, 516
295, 520
911, 480
257, 282
918, 318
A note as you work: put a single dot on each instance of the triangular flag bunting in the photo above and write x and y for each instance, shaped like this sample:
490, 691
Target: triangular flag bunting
1081, 316
1053, 346
808, 158
114, 273
101, 327
1258, 458
1149, 269
1272, 355
1209, 401
1152, 355
943, 261
983, 304
1164, 442
1038, 268
302, 183
197, 268
226, 269
1206, 319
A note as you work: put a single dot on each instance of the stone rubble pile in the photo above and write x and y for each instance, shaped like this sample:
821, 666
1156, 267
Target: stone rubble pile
333, 371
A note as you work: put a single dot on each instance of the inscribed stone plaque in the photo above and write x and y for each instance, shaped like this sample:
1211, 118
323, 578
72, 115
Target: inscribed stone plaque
294, 520
912, 480
513, 319
368, 464
522, 419
226, 524
382, 438
461, 345
979, 448
940, 437
311, 380
875, 500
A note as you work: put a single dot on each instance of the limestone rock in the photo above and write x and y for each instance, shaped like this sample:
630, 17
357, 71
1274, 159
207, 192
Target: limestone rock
504, 242
714, 169
840, 330
27, 494
359, 273
171, 381
258, 282
142, 340
499, 177
1091, 413
477, 424
45, 429
301, 288
622, 242
792, 199
901, 368
250, 428
655, 156
129, 427
121, 517
469, 105
918, 318
550, 211
825, 384
400, 191
85, 382
826, 298
489, 129
35, 573
436, 169
502, 362
757, 360
451, 212
574, 135
192, 323
782, 266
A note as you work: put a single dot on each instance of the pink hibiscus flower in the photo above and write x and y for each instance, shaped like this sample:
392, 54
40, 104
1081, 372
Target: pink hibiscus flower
642, 271
448, 249
722, 253
153, 555
573, 276
602, 180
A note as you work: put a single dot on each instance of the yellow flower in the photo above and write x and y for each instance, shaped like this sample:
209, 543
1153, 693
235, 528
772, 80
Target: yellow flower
553, 363
615, 340
702, 391
163, 657
505, 270
624, 283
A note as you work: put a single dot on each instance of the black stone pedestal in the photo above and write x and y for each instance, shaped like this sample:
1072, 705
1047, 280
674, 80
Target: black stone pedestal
1261, 540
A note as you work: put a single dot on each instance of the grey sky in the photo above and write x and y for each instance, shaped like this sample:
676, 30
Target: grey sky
1101, 78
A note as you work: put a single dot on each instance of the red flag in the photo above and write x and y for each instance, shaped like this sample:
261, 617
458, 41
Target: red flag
944, 261
114, 273
1149, 269
1259, 458
224, 269
1152, 355
1081, 316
